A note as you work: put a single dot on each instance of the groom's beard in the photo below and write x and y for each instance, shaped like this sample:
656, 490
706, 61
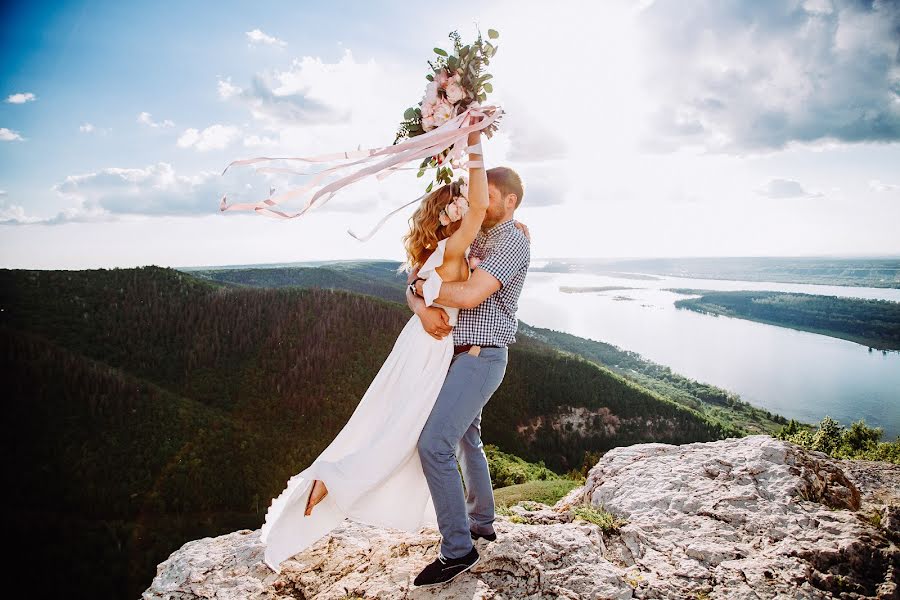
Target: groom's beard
491, 220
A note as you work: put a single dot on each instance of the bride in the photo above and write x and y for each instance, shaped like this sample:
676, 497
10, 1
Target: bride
371, 472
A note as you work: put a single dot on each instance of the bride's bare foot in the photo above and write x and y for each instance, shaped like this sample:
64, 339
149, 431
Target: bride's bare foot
318, 492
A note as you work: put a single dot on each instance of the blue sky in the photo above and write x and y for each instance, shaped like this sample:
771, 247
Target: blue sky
695, 128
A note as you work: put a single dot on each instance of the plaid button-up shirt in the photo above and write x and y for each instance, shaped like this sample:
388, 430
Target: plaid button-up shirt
505, 253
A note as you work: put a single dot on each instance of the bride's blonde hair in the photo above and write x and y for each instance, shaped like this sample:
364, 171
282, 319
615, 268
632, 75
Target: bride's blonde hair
425, 229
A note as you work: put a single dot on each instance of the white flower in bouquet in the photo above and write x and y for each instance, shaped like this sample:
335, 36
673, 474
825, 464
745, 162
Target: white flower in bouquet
428, 109
445, 220
441, 78
428, 122
431, 93
443, 112
464, 190
455, 91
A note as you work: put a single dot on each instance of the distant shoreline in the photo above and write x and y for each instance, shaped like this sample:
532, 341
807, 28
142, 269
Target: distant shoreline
851, 319
574, 289
847, 272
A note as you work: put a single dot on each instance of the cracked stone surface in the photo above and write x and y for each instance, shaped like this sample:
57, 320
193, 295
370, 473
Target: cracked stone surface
750, 517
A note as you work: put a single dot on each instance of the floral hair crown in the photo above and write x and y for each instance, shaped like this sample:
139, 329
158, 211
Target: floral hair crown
457, 208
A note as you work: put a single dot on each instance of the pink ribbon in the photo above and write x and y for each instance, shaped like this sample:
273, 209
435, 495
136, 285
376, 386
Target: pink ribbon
430, 143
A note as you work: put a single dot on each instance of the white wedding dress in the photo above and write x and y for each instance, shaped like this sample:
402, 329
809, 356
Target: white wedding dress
372, 469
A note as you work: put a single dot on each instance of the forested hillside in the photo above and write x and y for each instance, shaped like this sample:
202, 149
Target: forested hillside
714, 402
375, 278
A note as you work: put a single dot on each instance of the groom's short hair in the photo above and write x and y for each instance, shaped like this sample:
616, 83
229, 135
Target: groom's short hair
507, 181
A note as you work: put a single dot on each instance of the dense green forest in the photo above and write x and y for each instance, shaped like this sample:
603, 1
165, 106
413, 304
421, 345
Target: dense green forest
862, 272
375, 278
873, 323
380, 278
151, 407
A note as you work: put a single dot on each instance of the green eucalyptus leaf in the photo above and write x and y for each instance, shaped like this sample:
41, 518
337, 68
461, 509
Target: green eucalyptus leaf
429, 77
409, 114
430, 185
420, 173
440, 52
492, 33
488, 87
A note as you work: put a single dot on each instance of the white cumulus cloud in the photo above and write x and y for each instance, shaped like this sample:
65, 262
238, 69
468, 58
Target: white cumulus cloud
227, 89
742, 77
8, 135
146, 118
258, 37
21, 98
214, 137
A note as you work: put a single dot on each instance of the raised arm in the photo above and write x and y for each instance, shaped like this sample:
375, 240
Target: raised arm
463, 237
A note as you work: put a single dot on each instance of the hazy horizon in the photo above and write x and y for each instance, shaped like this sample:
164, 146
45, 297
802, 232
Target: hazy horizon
566, 258
534, 260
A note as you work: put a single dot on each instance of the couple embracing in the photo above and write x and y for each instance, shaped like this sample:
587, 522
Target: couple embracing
394, 464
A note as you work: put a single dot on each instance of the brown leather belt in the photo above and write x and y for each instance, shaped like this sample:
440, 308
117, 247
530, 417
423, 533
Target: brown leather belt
467, 347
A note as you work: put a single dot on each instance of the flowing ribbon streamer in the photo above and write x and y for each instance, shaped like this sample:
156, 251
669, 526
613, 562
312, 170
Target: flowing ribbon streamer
384, 219
431, 143
427, 144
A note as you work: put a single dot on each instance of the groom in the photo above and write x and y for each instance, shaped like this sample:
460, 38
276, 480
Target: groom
485, 326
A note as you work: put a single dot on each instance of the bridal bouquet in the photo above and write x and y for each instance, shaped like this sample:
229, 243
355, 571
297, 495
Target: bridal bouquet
435, 132
456, 82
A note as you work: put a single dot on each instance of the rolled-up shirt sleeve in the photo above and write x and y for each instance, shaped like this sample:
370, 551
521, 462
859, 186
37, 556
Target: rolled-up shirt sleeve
509, 258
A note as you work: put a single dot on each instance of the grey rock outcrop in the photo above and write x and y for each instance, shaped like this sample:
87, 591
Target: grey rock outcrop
751, 517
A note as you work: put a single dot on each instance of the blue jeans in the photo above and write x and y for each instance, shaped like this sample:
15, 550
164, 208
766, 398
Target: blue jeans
453, 431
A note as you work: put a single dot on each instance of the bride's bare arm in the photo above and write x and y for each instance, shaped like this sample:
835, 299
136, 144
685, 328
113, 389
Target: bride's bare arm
463, 237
